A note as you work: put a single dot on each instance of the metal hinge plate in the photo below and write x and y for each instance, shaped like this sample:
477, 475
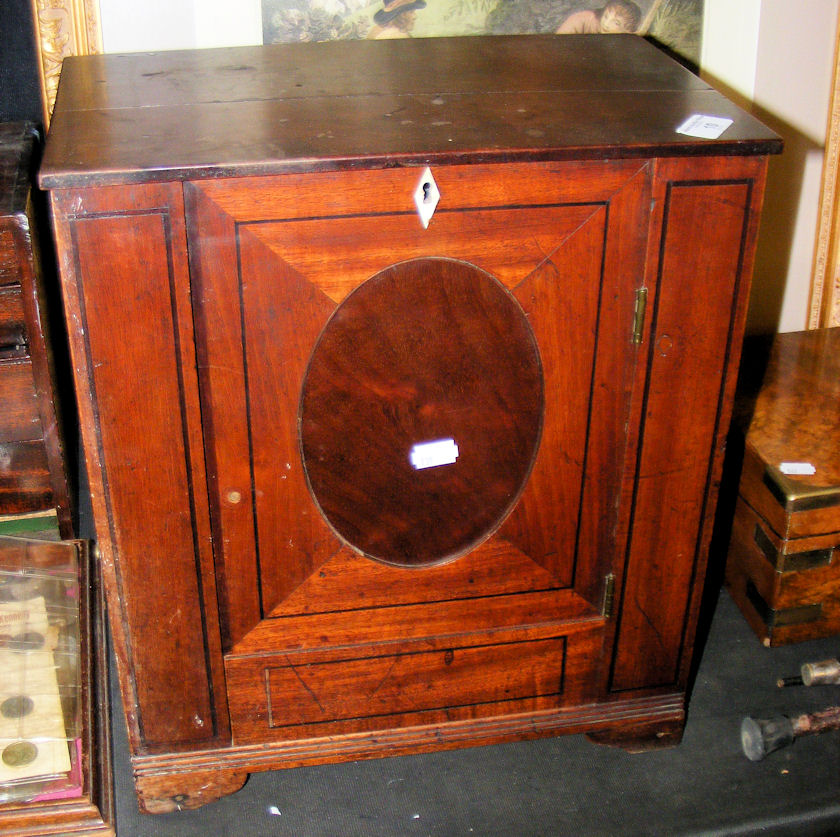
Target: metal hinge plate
639, 314
608, 603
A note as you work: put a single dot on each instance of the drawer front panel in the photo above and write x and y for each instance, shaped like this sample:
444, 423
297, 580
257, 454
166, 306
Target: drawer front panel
437, 681
19, 418
9, 268
360, 687
441, 677
24, 478
12, 328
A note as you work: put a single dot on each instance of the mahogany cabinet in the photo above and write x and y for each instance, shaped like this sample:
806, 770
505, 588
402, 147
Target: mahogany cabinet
404, 371
33, 478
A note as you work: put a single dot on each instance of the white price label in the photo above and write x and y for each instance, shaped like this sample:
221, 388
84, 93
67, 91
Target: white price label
433, 454
797, 469
704, 126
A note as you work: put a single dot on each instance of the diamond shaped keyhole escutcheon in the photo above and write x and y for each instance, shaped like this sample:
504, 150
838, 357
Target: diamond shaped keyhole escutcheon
426, 197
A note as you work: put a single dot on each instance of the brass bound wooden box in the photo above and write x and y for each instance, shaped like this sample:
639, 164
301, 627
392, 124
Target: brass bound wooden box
783, 568
404, 370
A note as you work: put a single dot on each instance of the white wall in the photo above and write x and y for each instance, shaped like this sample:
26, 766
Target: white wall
730, 43
151, 25
778, 55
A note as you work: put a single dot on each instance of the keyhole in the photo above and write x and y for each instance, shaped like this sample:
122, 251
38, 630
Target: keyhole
426, 197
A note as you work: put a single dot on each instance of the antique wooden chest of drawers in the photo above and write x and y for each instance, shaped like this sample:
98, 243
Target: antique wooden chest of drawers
32, 466
783, 567
404, 370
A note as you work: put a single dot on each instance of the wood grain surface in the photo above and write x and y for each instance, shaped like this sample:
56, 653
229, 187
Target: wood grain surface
427, 351
261, 110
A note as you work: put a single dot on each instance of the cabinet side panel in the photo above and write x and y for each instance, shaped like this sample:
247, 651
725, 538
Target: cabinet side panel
704, 264
128, 309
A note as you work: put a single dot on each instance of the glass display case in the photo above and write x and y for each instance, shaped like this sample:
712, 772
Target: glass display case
55, 766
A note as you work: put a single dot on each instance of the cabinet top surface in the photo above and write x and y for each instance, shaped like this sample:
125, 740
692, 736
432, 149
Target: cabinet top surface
372, 104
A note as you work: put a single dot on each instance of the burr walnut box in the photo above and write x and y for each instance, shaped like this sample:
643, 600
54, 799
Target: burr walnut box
404, 370
782, 567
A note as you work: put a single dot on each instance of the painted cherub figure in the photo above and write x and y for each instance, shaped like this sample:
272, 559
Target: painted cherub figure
616, 16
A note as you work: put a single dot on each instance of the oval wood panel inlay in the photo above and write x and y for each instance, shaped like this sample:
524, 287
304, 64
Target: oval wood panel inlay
428, 350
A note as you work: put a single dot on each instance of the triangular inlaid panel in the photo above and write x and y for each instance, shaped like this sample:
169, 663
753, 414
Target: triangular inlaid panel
338, 254
282, 317
494, 568
560, 299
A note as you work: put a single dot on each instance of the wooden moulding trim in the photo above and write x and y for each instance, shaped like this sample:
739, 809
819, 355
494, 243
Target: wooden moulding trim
62, 28
824, 303
255, 758
61, 819
68, 178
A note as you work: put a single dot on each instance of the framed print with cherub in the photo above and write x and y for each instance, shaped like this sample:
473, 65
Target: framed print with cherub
677, 24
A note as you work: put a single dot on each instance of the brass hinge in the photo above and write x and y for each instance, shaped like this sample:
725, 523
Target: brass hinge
609, 596
639, 314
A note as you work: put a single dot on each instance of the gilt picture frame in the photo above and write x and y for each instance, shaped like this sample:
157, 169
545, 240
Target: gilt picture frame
824, 303
62, 28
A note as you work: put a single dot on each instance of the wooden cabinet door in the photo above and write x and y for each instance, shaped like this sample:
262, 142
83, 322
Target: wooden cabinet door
337, 336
